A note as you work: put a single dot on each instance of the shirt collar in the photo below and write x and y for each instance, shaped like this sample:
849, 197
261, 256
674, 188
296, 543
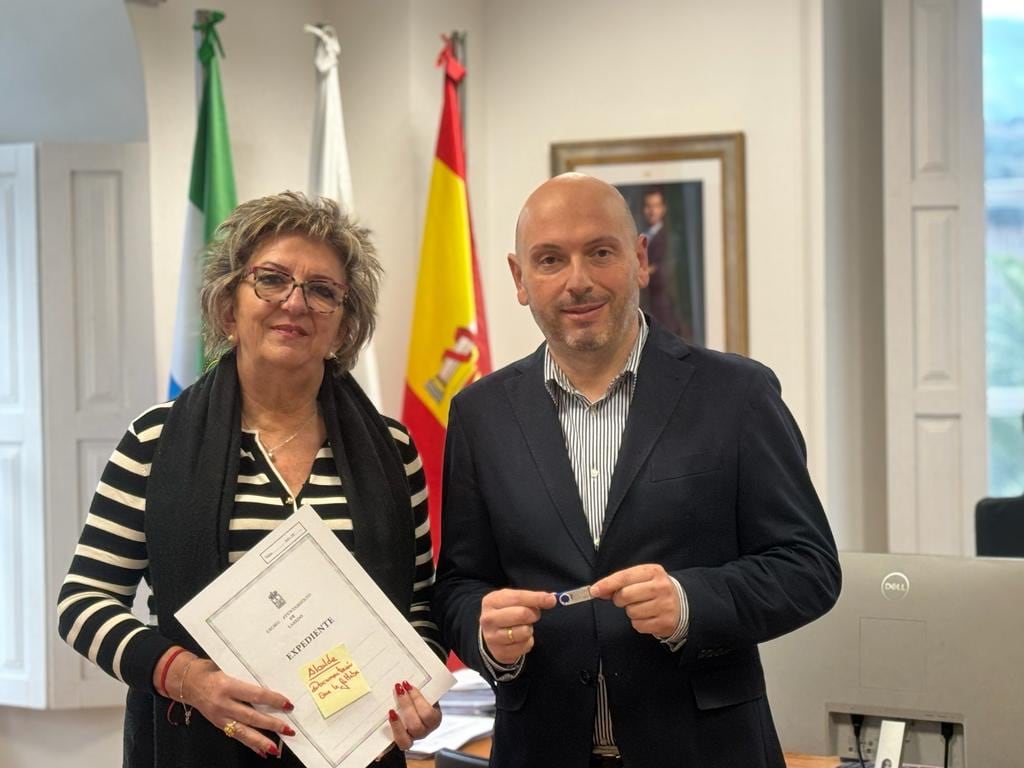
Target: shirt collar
554, 376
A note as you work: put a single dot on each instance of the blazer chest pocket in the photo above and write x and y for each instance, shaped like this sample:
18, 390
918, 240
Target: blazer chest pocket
669, 464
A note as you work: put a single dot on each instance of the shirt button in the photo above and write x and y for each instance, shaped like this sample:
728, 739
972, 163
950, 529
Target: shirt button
289, 500
594, 472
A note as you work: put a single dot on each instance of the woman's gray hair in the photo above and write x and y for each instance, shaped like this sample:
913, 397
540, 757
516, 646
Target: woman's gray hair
252, 224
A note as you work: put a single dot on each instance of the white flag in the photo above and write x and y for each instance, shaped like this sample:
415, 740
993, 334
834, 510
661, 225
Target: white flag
329, 174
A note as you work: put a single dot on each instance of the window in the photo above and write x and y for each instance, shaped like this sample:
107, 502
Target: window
1003, 75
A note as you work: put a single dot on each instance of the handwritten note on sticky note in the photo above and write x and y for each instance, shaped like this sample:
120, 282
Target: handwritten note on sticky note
334, 681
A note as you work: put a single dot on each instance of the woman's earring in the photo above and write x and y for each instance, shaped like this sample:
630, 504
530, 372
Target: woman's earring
231, 338
331, 356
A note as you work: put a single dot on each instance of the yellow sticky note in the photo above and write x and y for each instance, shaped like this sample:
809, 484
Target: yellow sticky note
334, 680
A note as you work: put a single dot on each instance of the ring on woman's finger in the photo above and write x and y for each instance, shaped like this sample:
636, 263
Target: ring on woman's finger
508, 631
231, 728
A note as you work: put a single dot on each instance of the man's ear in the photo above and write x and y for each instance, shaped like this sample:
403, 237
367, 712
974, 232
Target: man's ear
643, 274
517, 276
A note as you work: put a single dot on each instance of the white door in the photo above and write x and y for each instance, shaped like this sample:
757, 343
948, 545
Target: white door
76, 365
23, 598
98, 364
934, 273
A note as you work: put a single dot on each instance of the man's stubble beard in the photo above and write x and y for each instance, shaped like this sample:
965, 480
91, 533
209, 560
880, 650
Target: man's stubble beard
586, 339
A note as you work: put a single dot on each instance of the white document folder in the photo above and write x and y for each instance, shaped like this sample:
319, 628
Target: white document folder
288, 602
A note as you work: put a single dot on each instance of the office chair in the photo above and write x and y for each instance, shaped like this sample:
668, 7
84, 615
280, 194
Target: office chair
446, 758
999, 527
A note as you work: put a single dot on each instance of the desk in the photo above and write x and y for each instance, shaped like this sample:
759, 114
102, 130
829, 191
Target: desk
482, 747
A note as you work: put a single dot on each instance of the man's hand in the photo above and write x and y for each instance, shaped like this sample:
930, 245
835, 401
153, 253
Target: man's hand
507, 617
648, 595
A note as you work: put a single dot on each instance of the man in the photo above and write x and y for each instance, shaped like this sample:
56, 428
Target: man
670, 478
660, 293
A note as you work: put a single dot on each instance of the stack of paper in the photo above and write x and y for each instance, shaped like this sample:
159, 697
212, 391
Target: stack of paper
471, 695
454, 732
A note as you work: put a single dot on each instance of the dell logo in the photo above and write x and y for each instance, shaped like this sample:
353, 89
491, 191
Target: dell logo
895, 586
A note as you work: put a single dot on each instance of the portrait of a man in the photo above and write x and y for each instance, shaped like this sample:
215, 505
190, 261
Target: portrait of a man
670, 216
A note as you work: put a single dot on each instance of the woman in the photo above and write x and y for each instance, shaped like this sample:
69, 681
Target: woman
289, 298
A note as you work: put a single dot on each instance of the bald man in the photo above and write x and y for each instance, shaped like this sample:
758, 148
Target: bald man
625, 518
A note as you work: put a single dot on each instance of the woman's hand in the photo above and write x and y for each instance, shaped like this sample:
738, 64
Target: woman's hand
226, 702
413, 716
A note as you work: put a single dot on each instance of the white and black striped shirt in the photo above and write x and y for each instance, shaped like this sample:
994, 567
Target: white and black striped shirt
593, 435
94, 609
593, 430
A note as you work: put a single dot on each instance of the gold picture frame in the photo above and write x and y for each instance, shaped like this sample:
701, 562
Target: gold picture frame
702, 288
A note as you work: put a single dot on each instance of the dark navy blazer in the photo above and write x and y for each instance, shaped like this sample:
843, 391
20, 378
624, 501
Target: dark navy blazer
711, 482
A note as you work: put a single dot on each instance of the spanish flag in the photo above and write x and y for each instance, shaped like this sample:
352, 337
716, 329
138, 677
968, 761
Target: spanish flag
448, 348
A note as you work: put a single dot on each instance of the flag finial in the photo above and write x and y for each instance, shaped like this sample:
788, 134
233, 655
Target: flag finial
453, 68
206, 23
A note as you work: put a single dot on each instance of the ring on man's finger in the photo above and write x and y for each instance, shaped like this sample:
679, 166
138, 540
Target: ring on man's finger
231, 728
508, 631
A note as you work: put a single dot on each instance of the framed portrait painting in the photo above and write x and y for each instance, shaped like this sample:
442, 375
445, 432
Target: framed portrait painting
687, 196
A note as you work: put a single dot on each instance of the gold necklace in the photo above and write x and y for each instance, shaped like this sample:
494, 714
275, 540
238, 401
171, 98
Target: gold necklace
283, 443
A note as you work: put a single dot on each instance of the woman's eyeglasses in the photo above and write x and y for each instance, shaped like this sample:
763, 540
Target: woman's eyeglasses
273, 285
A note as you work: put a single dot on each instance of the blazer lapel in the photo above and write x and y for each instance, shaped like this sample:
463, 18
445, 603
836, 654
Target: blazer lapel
661, 378
535, 412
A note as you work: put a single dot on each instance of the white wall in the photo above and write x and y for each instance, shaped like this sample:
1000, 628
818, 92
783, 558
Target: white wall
855, 395
86, 738
70, 72
556, 72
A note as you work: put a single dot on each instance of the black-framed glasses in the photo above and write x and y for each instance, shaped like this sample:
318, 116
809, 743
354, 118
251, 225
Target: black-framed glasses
321, 295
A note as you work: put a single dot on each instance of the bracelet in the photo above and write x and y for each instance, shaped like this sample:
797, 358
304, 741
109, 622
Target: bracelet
181, 691
162, 688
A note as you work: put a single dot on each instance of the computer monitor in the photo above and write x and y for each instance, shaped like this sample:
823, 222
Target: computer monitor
924, 639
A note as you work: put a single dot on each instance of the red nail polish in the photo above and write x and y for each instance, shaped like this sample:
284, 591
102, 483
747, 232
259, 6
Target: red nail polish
273, 750
288, 706
406, 685
399, 690
392, 716
288, 731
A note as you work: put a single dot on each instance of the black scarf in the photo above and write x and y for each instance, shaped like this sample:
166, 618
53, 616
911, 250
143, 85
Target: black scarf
190, 498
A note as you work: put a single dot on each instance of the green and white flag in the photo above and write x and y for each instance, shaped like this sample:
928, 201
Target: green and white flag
211, 198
